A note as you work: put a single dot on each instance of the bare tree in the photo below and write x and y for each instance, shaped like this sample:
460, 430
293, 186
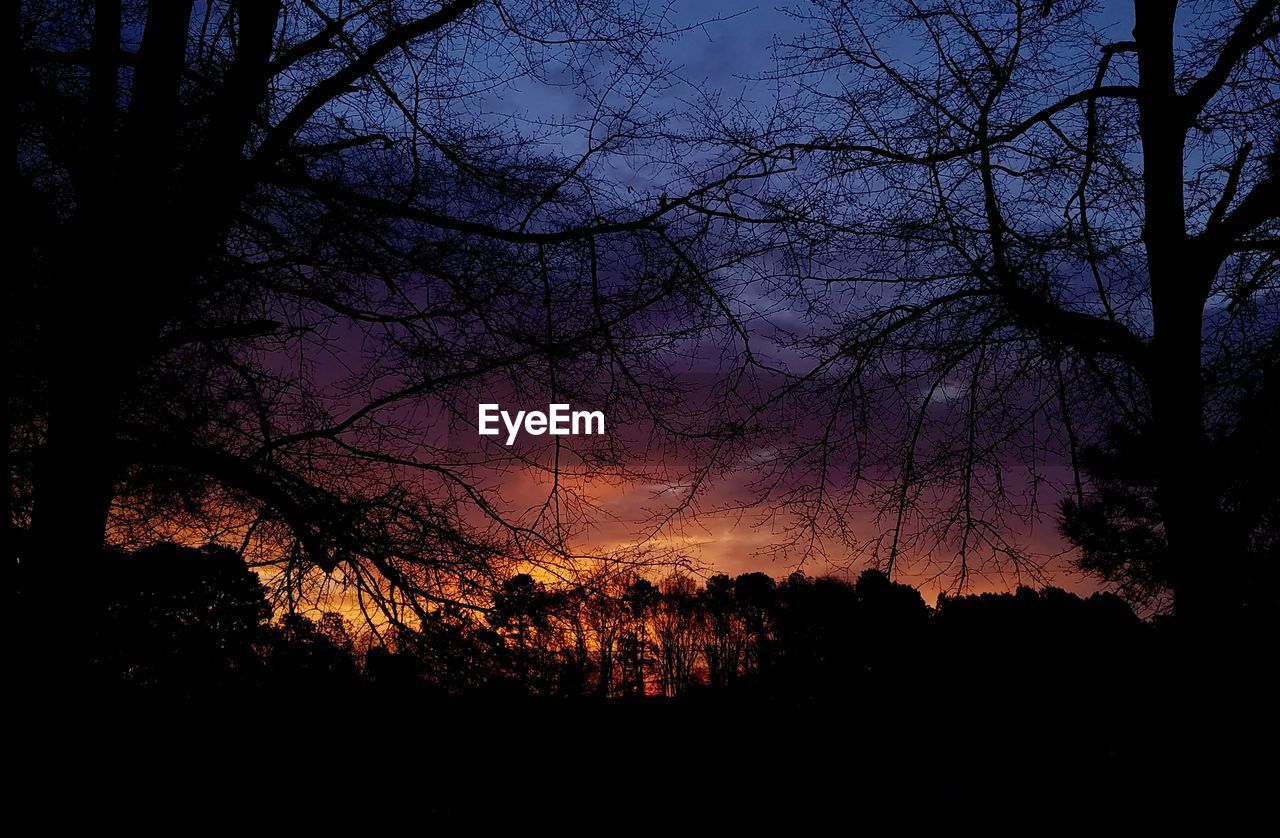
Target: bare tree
606, 619
639, 599
724, 634
677, 632
1010, 231
274, 253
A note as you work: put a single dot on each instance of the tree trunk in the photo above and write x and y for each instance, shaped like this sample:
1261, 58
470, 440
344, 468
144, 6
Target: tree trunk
86, 364
75, 468
1180, 280
75, 471
1186, 486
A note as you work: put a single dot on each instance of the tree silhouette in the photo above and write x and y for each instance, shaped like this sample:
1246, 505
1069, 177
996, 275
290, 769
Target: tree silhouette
606, 615
1022, 231
1118, 526
755, 596
724, 645
1019, 642
177, 620
677, 633
638, 598
312, 658
1119, 531
819, 645
523, 609
194, 624
892, 619
256, 237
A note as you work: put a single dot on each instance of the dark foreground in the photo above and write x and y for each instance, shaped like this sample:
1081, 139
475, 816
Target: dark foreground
933, 751
172, 697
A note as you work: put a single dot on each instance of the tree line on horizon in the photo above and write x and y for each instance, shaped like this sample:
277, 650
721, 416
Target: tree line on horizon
198, 622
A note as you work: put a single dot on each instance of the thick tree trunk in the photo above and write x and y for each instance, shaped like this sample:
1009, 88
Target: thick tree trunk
76, 469
1180, 279
1187, 490
86, 366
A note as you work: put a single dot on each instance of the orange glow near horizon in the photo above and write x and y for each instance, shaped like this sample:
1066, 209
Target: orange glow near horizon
608, 517
736, 541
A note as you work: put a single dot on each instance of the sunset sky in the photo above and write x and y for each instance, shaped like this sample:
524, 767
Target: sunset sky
728, 529
637, 505
732, 55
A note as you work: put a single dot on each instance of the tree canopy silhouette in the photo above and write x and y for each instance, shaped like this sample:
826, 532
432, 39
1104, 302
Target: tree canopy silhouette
1015, 231
257, 237
176, 619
